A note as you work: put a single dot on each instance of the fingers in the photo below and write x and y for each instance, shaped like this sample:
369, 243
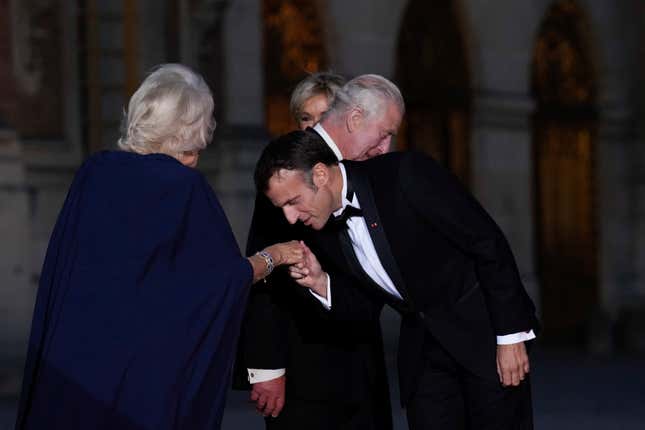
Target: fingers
512, 375
301, 277
279, 404
507, 377
512, 364
515, 378
307, 252
298, 273
260, 404
268, 397
305, 247
254, 396
522, 360
294, 255
270, 407
499, 372
274, 406
289, 252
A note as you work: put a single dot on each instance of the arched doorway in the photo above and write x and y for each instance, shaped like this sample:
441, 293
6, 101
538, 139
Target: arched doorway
432, 71
564, 130
293, 47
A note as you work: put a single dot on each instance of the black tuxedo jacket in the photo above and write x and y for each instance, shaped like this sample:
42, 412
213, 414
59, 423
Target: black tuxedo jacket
446, 256
325, 360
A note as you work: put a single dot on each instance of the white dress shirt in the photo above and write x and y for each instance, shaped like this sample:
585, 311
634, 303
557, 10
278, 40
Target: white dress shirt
363, 248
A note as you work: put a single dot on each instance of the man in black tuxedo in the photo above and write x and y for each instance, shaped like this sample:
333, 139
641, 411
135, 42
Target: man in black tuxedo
327, 375
410, 235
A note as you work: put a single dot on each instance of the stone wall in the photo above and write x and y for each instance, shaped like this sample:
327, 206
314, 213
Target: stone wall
16, 289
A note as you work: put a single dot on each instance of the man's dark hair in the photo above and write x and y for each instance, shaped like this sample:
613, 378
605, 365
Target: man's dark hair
298, 150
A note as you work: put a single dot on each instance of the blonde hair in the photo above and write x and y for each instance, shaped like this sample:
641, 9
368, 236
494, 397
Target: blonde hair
326, 83
172, 111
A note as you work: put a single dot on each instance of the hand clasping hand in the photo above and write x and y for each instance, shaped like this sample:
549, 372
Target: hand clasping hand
286, 252
309, 274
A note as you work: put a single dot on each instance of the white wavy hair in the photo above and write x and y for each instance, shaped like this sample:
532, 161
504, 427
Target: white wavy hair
172, 111
370, 93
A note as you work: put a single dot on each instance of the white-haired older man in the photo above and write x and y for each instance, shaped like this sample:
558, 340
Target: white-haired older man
327, 376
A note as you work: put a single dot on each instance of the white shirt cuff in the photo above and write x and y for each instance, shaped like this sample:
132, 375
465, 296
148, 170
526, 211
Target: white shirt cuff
326, 302
510, 339
262, 375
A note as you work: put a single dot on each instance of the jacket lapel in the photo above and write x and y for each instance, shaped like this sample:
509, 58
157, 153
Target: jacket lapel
363, 190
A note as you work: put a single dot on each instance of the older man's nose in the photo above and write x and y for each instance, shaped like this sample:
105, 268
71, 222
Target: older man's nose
380, 149
386, 145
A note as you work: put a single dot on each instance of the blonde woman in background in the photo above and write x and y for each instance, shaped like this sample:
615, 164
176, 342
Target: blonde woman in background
312, 97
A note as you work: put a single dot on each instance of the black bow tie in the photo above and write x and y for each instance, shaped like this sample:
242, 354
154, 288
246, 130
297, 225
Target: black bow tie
340, 221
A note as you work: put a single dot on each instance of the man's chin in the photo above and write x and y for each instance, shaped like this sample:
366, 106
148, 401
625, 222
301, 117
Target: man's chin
316, 225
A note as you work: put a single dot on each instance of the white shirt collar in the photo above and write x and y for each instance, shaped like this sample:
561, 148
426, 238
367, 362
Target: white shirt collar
345, 202
328, 140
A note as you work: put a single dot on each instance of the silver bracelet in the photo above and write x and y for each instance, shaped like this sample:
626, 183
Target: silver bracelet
268, 261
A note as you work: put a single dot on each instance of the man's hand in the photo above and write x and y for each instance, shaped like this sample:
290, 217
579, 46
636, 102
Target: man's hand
512, 363
309, 273
269, 396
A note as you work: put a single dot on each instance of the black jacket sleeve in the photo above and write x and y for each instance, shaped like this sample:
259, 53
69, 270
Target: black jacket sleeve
441, 199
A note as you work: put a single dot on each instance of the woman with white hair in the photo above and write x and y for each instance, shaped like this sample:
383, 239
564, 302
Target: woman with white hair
143, 287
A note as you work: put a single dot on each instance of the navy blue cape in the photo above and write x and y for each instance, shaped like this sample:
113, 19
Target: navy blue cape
139, 304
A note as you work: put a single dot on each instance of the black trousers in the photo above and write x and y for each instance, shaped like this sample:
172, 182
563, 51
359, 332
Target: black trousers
449, 397
301, 414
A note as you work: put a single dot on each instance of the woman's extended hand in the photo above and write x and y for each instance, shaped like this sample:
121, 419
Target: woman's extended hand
281, 254
286, 252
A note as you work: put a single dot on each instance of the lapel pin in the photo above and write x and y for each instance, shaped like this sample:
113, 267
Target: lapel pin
374, 225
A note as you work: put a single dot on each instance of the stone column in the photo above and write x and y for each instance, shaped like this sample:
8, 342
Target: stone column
502, 174
502, 167
241, 132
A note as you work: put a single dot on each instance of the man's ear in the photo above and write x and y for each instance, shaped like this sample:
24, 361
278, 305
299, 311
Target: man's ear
354, 119
320, 174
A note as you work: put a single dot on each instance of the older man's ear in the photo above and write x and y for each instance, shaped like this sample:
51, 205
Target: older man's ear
354, 119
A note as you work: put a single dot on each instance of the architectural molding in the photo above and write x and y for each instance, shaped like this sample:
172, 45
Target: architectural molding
500, 109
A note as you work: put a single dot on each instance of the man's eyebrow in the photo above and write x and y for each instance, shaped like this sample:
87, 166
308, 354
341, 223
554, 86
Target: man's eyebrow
291, 200
287, 202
